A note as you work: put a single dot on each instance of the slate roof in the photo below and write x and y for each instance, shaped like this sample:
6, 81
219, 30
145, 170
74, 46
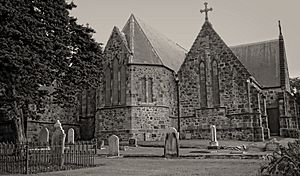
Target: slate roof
150, 47
262, 61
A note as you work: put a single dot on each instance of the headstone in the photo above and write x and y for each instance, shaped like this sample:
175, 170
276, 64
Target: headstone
100, 144
133, 142
44, 136
171, 143
213, 144
272, 145
113, 146
58, 144
71, 136
188, 136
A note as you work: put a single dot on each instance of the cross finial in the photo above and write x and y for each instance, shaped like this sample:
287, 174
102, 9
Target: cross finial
206, 10
279, 27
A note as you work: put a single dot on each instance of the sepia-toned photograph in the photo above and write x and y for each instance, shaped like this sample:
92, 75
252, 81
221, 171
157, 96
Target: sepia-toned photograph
149, 88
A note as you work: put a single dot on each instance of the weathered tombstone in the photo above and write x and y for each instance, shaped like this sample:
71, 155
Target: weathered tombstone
171, 143
272, 145
213, 144
113, 146
188, 136
133, 142
71, 136
43, 136
58, 144
101, 144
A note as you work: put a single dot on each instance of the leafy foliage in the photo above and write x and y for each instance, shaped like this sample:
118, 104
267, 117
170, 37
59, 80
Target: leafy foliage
40, 43
295, 88
286, 161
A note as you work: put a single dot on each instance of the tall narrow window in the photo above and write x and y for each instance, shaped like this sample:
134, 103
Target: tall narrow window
150, 90
123, 85
143, 90
107, 87
215, 84
115, 88
202, 76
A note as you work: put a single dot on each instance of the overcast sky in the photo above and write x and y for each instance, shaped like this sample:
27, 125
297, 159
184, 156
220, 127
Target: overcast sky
236, 21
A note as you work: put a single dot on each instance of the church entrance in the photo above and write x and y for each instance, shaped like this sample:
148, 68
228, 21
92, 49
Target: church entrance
273, 121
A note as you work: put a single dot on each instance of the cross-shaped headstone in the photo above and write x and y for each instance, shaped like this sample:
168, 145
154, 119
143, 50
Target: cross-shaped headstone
206, 10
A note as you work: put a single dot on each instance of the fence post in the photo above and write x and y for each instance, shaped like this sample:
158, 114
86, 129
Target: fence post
27, 159
96, 143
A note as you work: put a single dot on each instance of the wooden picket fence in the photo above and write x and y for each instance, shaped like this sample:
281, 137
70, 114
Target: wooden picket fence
28, 159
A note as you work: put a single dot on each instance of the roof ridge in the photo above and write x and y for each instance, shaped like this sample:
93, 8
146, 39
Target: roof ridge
253, 43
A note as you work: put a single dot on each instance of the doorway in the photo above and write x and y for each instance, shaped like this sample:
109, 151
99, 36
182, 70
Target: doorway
273, 121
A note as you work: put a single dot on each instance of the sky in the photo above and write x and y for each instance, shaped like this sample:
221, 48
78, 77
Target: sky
236, 21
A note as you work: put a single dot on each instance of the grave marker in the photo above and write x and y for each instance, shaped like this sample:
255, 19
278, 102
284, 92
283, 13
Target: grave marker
171, 143
113, 146
133, 142
43, 136
71, 136
58, 144
213, 144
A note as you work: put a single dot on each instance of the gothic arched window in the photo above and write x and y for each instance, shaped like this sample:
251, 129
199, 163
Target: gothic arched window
116, 78
215, 83
123, 85
150, 90
202, 76
143, 90
107, 87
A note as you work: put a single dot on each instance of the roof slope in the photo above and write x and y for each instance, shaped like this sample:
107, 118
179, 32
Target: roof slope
262, 61
150, 47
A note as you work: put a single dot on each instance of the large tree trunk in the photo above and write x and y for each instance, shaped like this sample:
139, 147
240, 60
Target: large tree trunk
18, 120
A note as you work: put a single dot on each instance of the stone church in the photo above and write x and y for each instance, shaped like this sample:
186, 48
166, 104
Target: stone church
150, 83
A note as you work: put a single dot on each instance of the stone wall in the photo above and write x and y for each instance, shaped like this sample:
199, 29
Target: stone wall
149, 123
113, 121
233, 126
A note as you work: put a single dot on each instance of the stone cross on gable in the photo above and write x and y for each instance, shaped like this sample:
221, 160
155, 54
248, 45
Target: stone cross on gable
206, 10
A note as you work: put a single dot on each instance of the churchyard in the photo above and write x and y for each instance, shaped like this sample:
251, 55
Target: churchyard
114, 157
141, 104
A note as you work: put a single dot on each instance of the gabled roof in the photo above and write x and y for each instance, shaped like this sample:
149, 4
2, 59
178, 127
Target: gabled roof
262, 61
118, 35
150, 47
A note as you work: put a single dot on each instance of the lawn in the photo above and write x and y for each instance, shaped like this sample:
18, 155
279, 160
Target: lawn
166, 167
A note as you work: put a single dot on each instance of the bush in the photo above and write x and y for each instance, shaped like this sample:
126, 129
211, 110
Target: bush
286, 161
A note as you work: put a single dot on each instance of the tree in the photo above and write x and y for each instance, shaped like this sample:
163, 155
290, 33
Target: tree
295, 88
40, 43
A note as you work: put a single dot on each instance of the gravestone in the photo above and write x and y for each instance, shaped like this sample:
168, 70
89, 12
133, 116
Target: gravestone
100, 144
113, 146
213, 144
44, 137
188, 136
58, 144
171, 143
71, 136
133, 142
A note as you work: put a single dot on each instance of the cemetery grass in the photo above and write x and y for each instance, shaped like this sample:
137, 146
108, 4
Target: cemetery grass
166, 167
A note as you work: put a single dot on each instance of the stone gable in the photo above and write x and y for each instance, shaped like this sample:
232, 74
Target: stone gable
213, 74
